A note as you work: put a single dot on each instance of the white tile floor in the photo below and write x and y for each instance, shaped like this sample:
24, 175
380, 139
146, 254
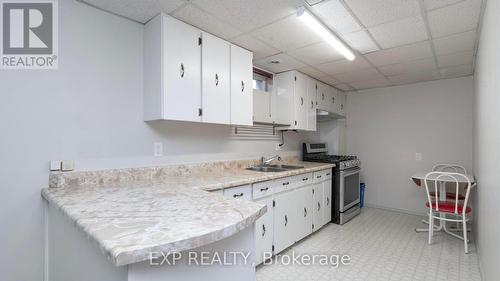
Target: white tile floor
383, 245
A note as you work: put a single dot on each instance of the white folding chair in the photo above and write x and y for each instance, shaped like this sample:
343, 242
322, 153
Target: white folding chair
453, 210
443, 167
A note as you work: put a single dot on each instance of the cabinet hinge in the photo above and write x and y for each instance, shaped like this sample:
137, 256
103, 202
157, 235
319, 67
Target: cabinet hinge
200, 112
272, 248
200, 41
274, 203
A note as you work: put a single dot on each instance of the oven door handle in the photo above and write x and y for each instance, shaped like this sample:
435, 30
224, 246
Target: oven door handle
346, 173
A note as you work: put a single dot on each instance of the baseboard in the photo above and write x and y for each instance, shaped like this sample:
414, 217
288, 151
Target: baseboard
408, 212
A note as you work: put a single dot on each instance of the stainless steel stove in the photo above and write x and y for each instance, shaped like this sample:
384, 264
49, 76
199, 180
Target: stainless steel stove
345, 183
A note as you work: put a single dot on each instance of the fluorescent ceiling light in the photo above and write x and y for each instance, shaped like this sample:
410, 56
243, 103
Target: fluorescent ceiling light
324, 33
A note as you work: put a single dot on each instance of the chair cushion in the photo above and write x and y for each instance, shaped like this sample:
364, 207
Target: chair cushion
448, 207
449, 195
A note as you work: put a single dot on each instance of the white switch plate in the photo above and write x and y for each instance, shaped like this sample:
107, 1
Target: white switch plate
418, 156
158, 149
55, 165
67, 165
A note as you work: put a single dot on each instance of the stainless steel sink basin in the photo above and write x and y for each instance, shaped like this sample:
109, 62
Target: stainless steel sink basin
266, 169
274, 168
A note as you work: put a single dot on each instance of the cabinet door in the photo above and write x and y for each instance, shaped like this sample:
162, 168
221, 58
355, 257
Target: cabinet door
327, 201
318, 206
215, 80
312, 86
332, 100
300, 101
181, 71
241, 86
284, 220
322, 96
282, 101
343, 98
304, 197
264, 231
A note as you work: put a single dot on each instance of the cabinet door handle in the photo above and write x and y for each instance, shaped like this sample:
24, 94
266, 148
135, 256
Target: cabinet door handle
182, 70
319, 206
342, 107
238, 195
305, 212
216, 79
327, 201
312, 104
286, 220
264, 189
263, 230
304, 179
301, 101
333, 99
242, 86
322, 96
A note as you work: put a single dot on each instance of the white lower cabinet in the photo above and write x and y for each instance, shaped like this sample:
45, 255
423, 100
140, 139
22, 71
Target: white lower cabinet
285, 220
304, 214
296, 207
264, 231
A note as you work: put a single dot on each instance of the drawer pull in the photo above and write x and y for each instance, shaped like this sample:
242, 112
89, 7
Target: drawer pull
286, 220
263, 230
328, 174
238, 195
264, 189
305, 212
318, 177
286, 183
305, 179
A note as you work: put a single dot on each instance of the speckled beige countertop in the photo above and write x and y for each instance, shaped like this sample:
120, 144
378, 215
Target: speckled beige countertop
133, 212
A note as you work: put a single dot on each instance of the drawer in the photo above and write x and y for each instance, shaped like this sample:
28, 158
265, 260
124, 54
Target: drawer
284, 184
323, 175
262, 189
304, 179
239, 192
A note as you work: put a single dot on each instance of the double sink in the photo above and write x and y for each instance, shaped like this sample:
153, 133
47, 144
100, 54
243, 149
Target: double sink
274, 168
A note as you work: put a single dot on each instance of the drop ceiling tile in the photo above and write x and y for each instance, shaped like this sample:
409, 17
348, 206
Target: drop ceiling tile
374, 12
141, 11
400, 32
408, 67
456, 18
370, 84
359, 75
401, 54
259, 49
435, 4
287, 34
455, 59
342, 66
336, 16
316, 54
328, 80
206, 22
248, 15
360, 41
313, 2
415, 77
456, 71
313, 72
285, 63
460, 42
344, 87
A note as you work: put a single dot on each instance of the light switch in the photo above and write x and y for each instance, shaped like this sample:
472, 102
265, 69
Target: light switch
55, 165
158, 149
418, 156
67, 165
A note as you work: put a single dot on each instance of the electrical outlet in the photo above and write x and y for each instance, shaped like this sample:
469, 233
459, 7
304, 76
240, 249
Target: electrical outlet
418, 156
158, 149
278, 147
55, 165
67, 165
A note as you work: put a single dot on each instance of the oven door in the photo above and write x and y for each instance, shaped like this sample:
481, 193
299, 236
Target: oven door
349, 188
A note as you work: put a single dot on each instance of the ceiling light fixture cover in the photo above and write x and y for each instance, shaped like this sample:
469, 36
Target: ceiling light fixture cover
310, 20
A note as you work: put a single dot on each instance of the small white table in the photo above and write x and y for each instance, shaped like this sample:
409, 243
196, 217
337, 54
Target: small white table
418, 179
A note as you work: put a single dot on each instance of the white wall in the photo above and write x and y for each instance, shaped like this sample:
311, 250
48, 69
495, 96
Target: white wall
487, 142
90, 108
387, 126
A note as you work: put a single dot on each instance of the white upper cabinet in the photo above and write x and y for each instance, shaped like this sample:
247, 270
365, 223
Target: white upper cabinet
322, 96
216, 100
262, 107
190, 75
290, 100
172, 64
300, 99
241, 86
312, 86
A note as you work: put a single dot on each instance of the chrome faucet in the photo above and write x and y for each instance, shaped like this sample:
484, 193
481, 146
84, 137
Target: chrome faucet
265, 161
